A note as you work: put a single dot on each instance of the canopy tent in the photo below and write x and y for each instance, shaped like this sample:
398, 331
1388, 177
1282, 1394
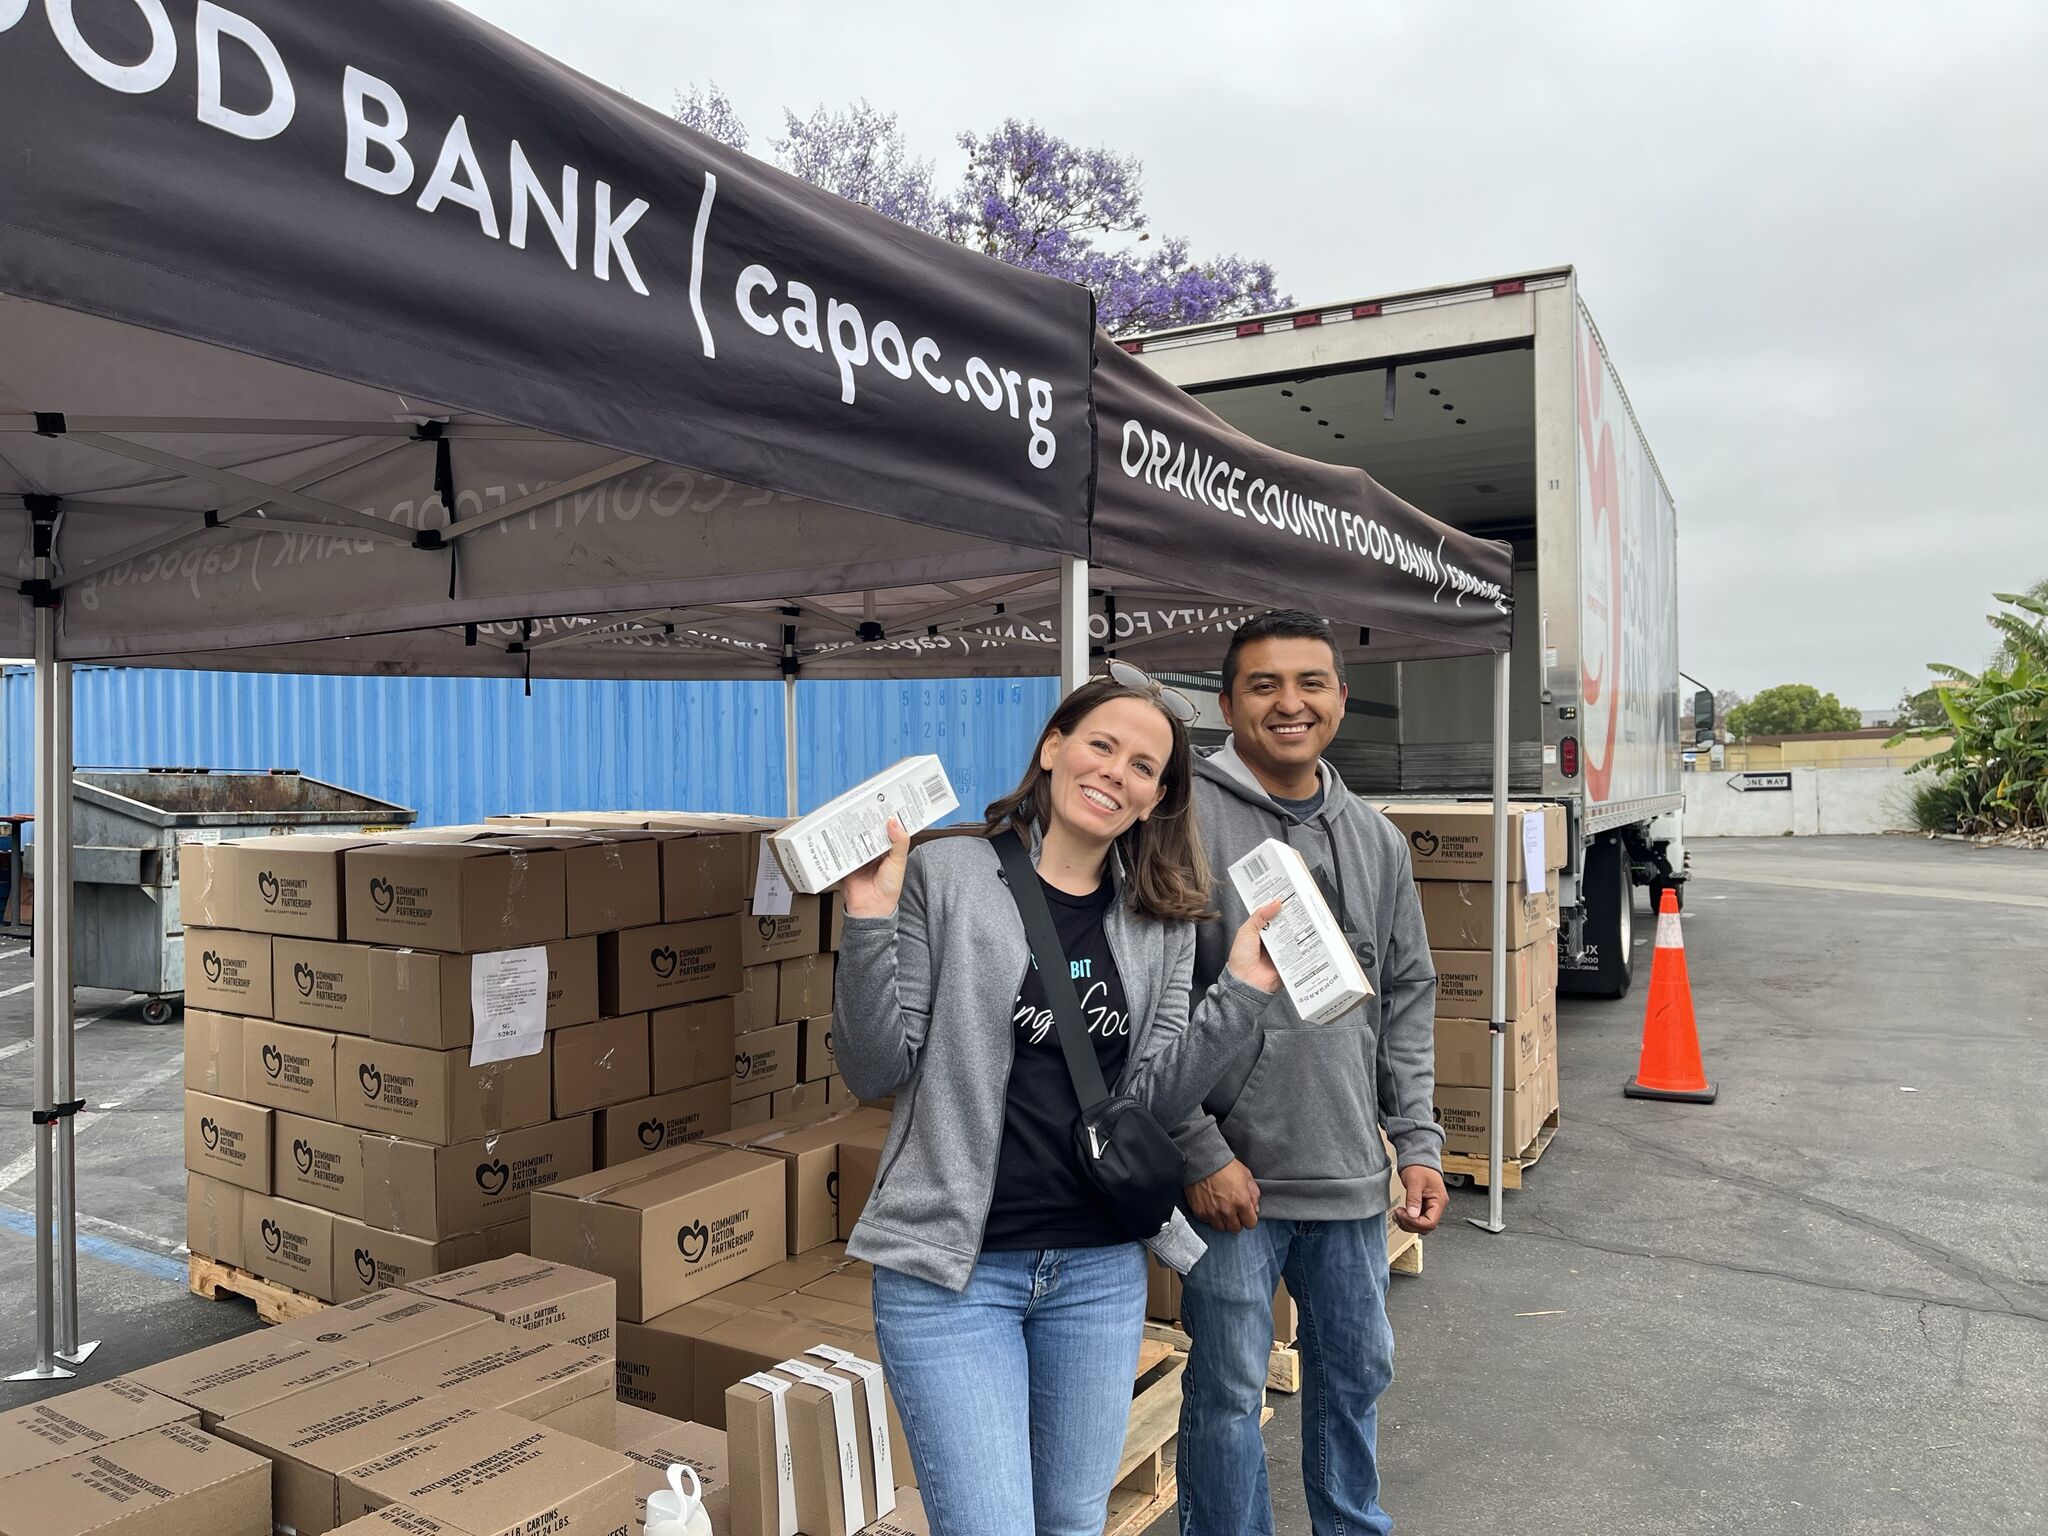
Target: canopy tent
387, 344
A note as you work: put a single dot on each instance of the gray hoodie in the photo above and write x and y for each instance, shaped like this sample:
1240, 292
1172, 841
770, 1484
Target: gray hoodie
1303, 1113
922, 1009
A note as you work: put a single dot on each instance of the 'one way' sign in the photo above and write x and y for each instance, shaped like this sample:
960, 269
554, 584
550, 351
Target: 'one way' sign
1749, 781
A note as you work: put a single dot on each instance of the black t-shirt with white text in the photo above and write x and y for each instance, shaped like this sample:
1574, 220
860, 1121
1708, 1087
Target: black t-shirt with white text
1042, 1199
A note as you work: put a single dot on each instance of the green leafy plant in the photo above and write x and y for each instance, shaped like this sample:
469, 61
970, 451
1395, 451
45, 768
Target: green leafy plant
1993, 775
1791, 709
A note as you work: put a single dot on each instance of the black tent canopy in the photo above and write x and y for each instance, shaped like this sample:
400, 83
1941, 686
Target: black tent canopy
370, 339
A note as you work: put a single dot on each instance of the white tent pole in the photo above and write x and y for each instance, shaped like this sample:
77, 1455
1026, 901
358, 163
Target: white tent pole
789, 666
51, 856
1496, 1087
69, 1349
1073, 623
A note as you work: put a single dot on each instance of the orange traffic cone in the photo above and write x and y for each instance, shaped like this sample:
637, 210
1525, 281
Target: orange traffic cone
1670, 1067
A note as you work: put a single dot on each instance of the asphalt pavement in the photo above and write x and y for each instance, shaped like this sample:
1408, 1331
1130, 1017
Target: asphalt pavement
1818, 1307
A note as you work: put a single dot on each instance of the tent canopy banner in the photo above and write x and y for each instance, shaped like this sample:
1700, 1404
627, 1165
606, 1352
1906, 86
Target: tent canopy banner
1181, 495
395, 196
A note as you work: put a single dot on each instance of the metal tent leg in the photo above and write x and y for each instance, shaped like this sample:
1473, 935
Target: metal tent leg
1073, 622
69, 1348
53, 781
1496, 1085
789, 767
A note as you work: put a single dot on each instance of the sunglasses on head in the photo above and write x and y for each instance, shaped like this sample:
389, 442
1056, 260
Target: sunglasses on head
1172, 700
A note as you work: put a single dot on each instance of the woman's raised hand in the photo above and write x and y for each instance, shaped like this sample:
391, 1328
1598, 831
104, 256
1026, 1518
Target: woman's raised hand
1249, 962
872, 890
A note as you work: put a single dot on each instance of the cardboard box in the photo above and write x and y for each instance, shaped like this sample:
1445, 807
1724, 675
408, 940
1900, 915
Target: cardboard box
421, 998
679, 1443
753, 1111
643, 969
606, 1062
669, 1227
849, 830
849, 1287
474, 1186
657, 1358
754, 1341
1454, 840
493, 1475
291, 884
368, 1259
796, 1273
704, 874
1464, 1113
168, 1481
693, 1044
758, 998
804, 1098
213, 1053
228, 972
803, 988
552, 1301
659, 1123
505, 1240
438, 1096
1458, 914
213, 1219
834, 938
908, 1518
205, 889
289, 1068
396, 1520
289, 1243
764, 1061
83, 1420
837, 1094
1464, 1047
318, 1163
765, 940
524, 1374
371, 1329
1464, 980
243, 1374
322, 985
811, 1424
228, 1140
313, 1437
815, 1060
458, 898
860, 1158
612, 880
1323, 978
809, 1154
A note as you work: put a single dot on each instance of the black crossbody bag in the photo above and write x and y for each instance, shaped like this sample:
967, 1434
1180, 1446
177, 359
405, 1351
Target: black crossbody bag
1125, 1152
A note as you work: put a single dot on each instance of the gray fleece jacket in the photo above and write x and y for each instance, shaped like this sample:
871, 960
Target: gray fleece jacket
1302, 1114
923, 1010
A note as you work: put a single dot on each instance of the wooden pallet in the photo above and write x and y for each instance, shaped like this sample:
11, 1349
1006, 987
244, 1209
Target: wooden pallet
1476, 1169
1404, 1251
1133, 1511
274, 1303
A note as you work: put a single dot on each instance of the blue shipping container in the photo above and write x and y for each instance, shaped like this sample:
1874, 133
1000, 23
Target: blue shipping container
460, 749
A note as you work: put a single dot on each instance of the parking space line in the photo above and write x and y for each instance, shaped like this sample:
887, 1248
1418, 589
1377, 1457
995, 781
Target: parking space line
13, 954
11, 991
157, 1265
29, 1044
1879, 888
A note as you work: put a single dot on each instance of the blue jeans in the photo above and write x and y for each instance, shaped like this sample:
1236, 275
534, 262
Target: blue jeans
1015, 1393
1336, 1272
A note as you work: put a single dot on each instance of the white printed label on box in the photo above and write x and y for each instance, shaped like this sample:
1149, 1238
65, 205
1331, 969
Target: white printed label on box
772, 895
508, 1004
785, 1464
1535, 859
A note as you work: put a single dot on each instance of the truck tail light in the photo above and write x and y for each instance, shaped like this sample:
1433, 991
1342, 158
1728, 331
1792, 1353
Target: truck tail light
1568, 757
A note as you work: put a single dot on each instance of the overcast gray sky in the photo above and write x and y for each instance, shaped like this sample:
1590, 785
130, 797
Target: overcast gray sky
1813, 235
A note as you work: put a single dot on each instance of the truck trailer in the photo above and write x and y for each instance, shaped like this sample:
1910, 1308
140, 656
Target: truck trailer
1495, 407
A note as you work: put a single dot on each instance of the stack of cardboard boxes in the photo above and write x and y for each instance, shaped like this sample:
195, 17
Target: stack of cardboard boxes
392, 1042
1452, 849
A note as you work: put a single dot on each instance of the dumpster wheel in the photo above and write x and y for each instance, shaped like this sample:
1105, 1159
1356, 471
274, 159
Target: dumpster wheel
158, 1010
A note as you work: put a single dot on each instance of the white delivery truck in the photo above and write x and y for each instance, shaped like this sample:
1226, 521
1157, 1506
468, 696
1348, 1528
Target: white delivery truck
1494, 407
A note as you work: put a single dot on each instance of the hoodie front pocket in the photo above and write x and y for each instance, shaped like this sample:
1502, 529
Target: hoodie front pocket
1308, 1109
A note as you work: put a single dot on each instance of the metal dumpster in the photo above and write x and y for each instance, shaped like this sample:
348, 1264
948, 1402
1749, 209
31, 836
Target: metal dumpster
126, 825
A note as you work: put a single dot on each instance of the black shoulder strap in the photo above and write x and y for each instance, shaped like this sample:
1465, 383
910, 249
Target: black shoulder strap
1053, 970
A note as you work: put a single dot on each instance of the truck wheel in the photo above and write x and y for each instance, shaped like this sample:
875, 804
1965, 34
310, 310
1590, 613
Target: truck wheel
1610, 925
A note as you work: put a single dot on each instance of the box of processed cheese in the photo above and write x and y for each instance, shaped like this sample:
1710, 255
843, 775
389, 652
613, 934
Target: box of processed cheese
1314, 958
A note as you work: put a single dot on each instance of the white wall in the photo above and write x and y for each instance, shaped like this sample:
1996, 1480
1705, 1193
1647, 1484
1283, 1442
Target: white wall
1822, 801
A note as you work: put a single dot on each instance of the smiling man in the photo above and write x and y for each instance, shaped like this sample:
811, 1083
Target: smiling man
1286, 1171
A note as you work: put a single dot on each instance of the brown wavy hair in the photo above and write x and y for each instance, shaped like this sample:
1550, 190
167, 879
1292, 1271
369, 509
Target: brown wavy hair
1166, 872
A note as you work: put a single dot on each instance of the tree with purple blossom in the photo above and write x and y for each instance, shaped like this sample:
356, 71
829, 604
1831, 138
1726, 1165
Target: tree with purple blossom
1028, 197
